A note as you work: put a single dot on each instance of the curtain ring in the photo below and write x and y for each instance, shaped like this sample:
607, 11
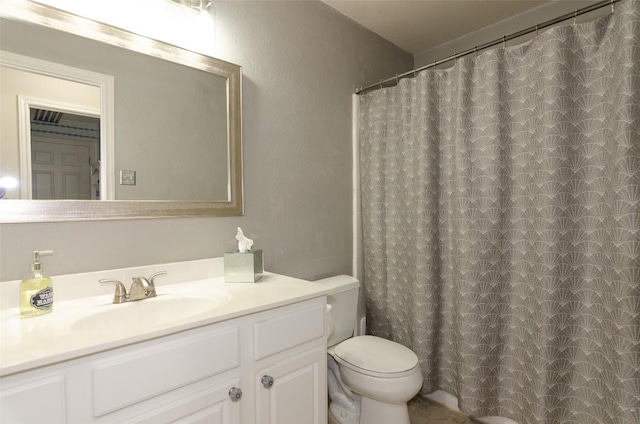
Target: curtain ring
504, 41
575, 15
396, 79
381, 84
475, 49
613, 7
536, 30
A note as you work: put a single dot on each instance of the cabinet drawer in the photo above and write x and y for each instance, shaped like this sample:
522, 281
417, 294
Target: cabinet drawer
288, 329
36, 402
149, 372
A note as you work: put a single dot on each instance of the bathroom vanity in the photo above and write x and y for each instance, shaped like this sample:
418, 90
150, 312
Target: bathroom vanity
202, 351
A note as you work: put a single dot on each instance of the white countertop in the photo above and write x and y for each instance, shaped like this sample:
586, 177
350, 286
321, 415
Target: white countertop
47, 339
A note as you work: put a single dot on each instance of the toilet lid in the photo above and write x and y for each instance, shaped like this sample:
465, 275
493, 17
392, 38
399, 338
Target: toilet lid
375, 356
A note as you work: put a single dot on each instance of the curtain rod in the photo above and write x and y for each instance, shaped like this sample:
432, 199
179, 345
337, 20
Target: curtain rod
503, 39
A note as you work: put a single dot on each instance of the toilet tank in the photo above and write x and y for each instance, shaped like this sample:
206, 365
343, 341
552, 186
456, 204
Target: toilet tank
343, 302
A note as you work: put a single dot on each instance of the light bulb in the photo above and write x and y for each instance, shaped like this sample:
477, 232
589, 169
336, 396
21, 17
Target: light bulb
8, 182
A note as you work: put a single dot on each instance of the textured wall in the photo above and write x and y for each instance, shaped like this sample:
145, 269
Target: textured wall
505, 27
300, 62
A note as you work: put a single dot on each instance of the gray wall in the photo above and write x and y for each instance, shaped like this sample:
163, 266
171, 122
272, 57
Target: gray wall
300, 61
506, 27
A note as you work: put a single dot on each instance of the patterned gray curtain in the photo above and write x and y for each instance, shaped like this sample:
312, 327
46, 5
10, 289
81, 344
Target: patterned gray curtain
501, 224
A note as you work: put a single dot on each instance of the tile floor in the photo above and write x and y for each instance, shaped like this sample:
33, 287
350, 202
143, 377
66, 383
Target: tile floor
424, 411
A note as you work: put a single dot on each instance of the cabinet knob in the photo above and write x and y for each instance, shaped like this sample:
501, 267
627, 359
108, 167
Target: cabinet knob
235, 393
267, 381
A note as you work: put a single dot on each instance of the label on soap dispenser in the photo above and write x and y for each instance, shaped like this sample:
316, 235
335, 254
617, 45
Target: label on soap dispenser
42, 299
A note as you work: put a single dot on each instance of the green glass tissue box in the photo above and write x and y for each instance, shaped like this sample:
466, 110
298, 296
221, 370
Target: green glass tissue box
243, 267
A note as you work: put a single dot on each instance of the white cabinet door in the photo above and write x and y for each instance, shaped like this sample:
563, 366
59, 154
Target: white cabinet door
293, 390
60, 170
211, 406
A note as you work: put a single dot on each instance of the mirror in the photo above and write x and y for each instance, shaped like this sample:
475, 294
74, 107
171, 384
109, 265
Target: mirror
169, 143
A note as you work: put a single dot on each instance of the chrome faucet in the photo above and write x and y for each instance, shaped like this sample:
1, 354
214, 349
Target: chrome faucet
141, 288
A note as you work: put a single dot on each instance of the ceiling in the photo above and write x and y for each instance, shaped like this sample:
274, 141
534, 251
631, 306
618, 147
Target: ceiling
420, 25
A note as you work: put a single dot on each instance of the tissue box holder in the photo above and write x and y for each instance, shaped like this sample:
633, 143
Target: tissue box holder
243, 267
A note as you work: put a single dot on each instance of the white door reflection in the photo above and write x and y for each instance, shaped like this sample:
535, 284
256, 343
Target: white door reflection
65, 161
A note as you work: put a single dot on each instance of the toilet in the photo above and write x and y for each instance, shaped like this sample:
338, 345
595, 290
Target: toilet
370, 379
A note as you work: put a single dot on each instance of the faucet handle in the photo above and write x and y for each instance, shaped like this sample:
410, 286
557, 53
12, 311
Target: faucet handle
153, 276
120, 295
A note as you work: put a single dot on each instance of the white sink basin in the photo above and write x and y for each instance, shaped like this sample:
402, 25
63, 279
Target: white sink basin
124, 317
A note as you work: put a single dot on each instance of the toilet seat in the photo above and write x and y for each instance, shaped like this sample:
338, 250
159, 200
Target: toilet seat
376, 357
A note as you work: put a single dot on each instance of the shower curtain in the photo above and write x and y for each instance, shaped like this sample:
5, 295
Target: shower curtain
501, 224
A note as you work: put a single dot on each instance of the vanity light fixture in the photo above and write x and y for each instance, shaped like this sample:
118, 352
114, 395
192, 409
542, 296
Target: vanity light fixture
202, 6
7, 183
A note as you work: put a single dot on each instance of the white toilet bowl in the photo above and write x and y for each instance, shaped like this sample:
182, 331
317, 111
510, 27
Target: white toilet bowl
370, 379
385, 374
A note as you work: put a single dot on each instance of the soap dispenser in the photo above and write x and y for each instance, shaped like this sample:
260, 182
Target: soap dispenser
36, 293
